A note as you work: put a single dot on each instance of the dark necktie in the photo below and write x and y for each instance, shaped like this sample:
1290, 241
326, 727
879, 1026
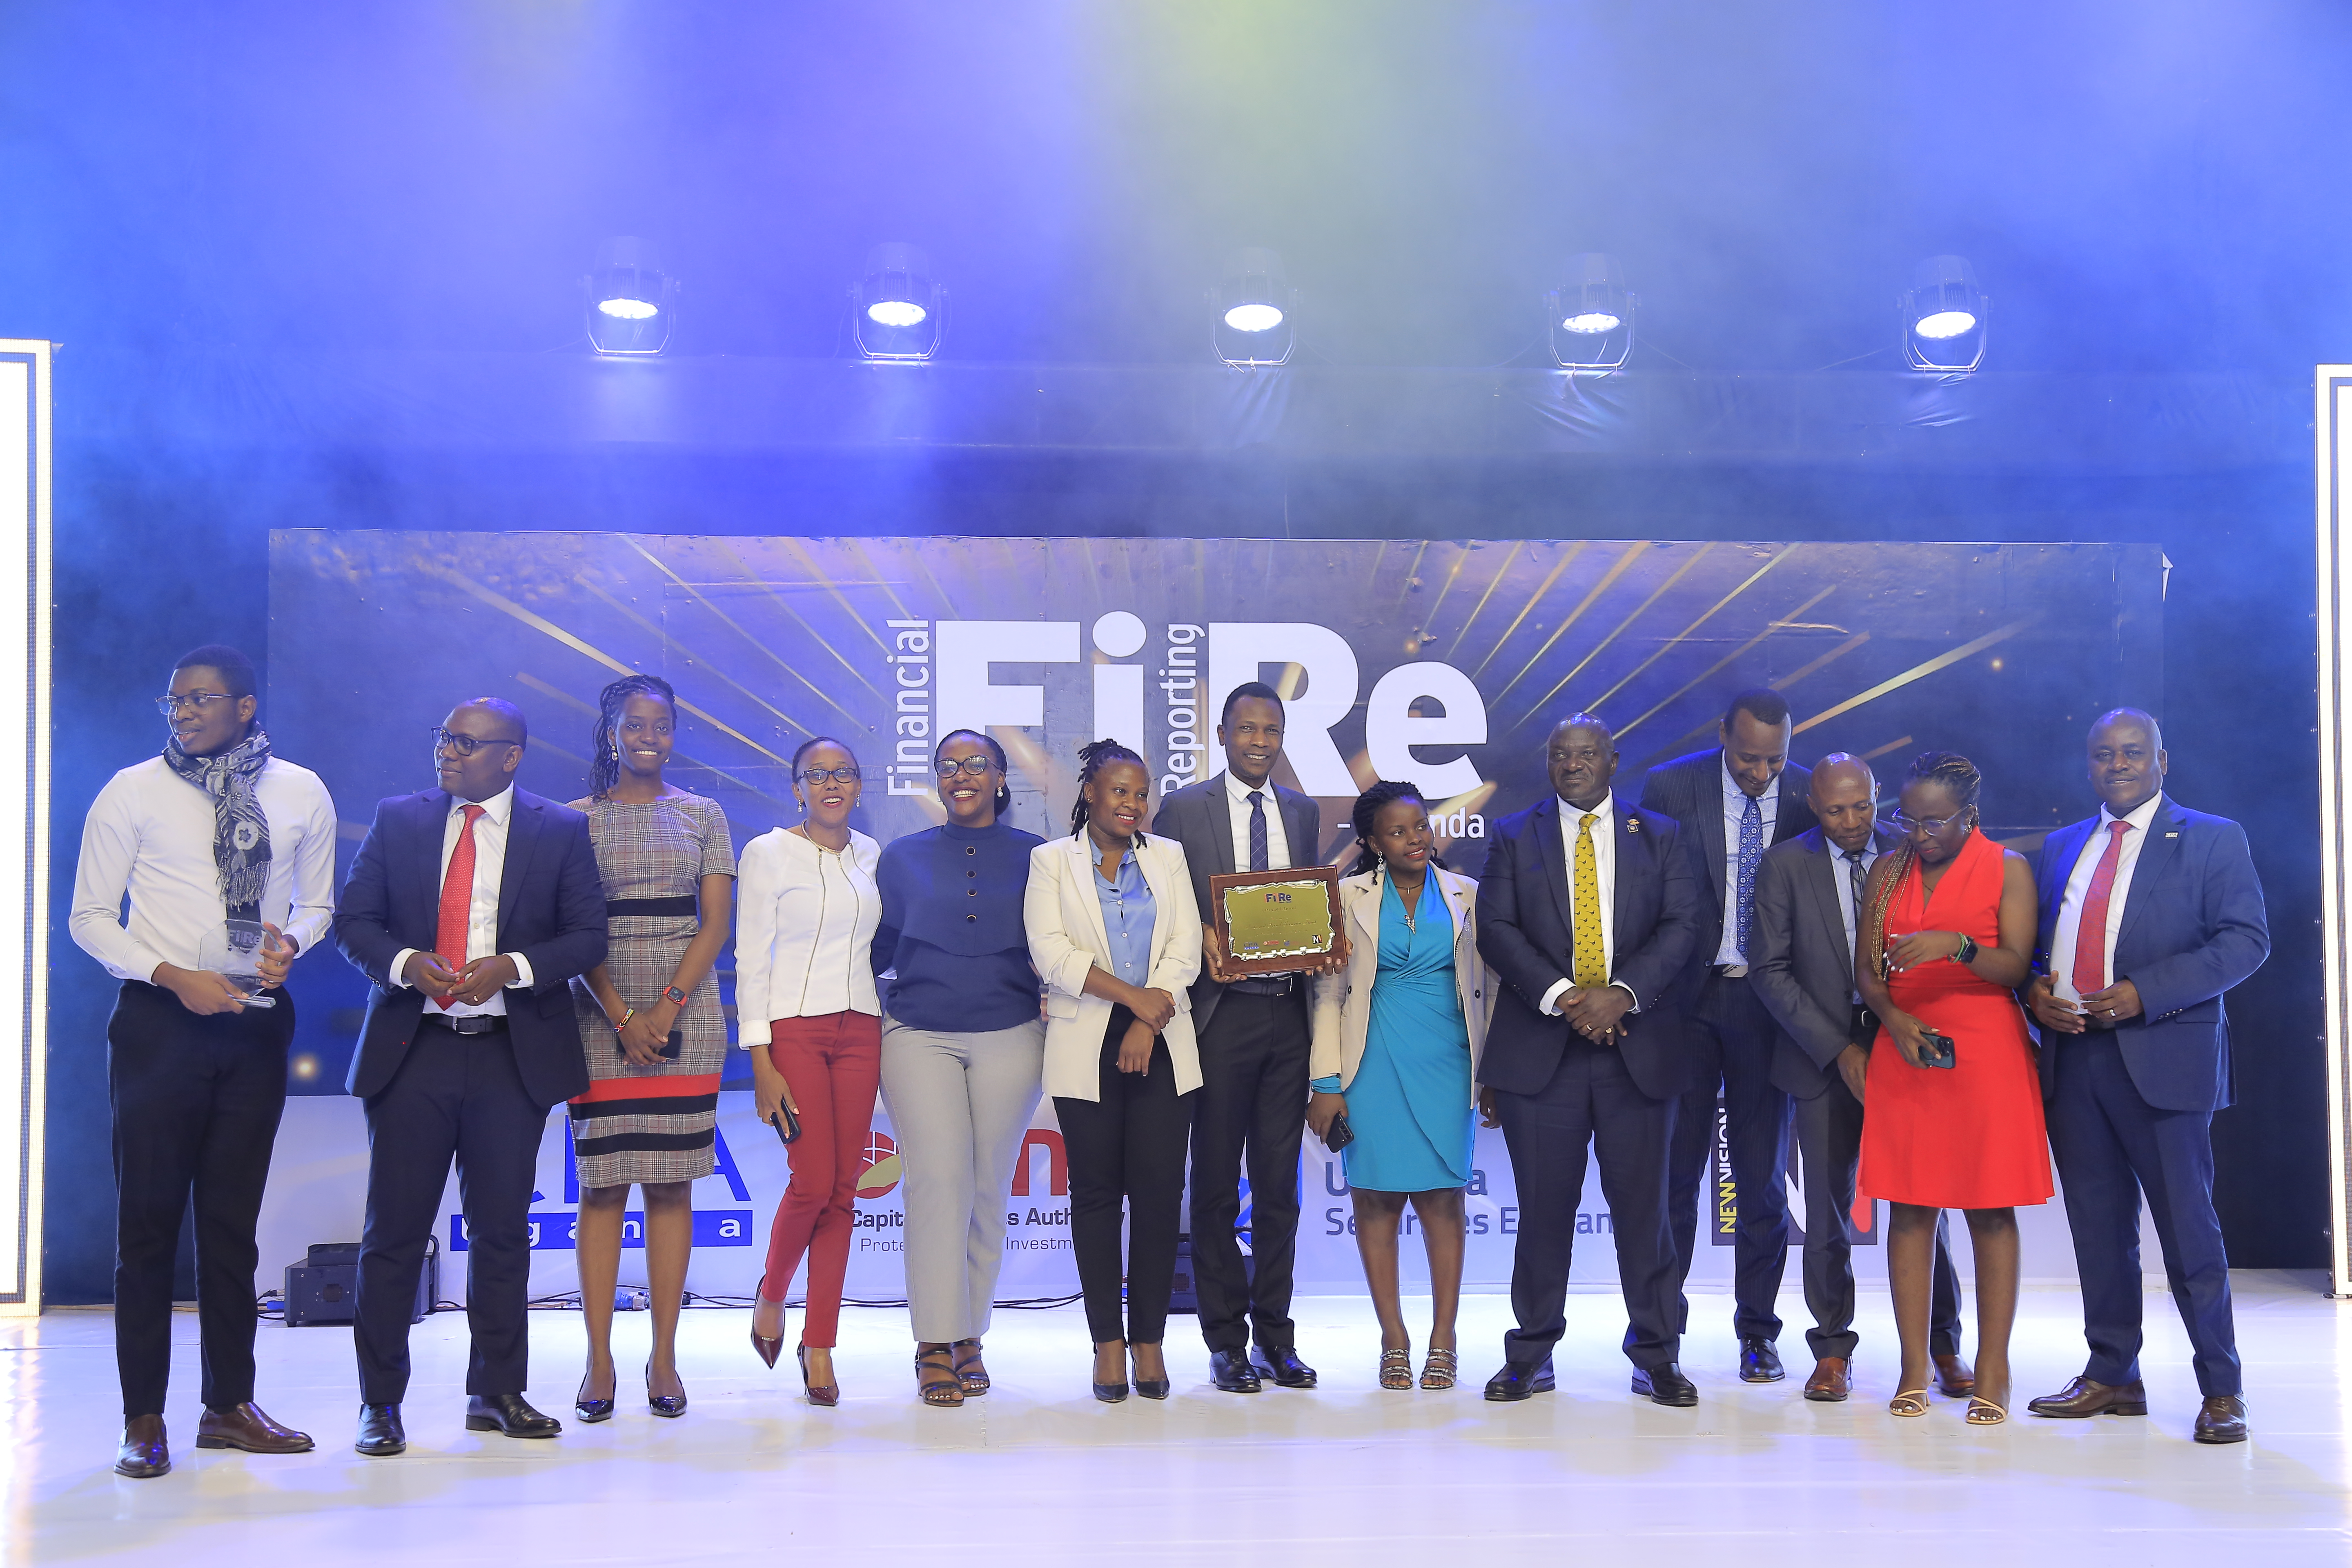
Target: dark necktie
1752, 849
1858, 879
1259, 857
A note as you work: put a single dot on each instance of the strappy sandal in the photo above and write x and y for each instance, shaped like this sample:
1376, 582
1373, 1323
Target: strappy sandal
1910, 1402
1985, 1413
1438, 1371
968, 1369
1396, 1369
945, 1390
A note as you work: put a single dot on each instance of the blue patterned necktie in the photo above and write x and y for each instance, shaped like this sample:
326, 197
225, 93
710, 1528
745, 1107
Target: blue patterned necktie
1752, 849
1259, 856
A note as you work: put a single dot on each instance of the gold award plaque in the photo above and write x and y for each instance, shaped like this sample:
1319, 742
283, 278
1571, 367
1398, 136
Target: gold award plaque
1271, 920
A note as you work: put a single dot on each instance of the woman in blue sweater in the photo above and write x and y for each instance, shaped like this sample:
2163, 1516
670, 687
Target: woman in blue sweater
963, 1050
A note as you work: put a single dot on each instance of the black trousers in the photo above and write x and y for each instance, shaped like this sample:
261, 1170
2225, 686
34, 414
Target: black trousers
1735, 1038
1591, 1099
1829, 1148
196, 1102
455, 1095
1252, 1107
1127, 1151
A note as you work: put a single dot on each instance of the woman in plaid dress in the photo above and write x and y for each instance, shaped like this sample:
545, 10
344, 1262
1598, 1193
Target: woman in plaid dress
651, 1025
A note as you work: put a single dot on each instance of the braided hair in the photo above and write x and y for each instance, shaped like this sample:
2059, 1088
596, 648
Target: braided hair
605, 750
1093, 757
1368, 811
1004, 791
1960, 778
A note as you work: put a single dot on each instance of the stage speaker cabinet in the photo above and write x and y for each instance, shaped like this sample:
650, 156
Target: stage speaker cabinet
324, 1288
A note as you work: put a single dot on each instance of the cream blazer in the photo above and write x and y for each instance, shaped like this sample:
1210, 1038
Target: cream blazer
1343, 1002
1067, 940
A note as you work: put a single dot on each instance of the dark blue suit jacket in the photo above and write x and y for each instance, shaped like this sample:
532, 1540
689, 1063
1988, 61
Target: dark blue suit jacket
1690, 790
2193, 926
1525, 933
551, 910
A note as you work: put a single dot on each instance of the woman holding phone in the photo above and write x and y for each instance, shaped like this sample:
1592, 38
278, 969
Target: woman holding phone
806, 1009
1952, 1104
652, 1028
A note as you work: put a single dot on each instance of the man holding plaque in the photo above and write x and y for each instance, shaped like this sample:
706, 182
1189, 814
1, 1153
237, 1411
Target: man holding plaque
1587, 912
1254, 1034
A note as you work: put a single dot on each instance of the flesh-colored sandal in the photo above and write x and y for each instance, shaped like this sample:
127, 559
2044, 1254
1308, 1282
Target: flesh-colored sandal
1985, 1413
1396, 1369
1910, 1402
944, 1390
1438, 1371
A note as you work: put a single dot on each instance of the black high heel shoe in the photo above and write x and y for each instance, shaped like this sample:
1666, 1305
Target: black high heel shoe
671, 1406
827, 1394
1112, 1393
1151, 1387
766, 1349
591, 1411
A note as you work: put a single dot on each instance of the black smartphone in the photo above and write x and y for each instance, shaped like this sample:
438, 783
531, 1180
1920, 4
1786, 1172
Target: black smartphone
787, 1125
670, 1049
1340, 1135
1941, 1052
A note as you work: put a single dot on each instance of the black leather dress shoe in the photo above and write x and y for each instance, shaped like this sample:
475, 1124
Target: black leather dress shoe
2222, 1419
381, 1433
144, 1454
1518, 1381
510, 1413
1665, 1385
1284, 1367
2086, 1397
1759, 1361
1232, 1370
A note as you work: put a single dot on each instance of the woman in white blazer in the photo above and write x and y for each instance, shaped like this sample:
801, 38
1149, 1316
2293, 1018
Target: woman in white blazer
1112, 928
1396, 1059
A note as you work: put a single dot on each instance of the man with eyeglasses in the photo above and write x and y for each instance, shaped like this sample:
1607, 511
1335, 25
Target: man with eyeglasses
215, 830
471, 906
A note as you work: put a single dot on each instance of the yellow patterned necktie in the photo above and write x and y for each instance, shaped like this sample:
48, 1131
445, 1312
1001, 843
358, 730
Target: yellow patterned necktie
1591, 966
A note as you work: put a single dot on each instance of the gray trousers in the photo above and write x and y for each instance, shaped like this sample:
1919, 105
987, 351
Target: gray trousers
960, 1105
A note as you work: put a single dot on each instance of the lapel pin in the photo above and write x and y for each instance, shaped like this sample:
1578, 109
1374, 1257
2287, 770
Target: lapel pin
2172, 836
1632, 824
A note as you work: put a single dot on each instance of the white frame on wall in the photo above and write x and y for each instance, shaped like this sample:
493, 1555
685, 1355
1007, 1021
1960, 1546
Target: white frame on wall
24, 592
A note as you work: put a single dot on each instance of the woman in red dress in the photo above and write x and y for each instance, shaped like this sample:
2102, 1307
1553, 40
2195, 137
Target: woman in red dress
1946, 940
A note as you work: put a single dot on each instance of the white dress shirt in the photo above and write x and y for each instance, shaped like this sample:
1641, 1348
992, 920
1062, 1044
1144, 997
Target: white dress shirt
150, 834
1604, 876
1844, 880
804, 931
482, 917
1277, 847
1735, 808
2078, 887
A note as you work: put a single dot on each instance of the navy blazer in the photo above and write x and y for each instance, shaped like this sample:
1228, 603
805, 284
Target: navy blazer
1799, 961
1526, 935
1199, 817
551, 910
2193, 926
1690, 790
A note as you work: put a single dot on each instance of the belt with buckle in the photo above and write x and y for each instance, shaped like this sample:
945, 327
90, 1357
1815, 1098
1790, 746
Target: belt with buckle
470, 1024
1731, 971
1263, 985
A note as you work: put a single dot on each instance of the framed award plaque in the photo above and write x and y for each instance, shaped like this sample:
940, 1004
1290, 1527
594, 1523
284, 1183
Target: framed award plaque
1274, 920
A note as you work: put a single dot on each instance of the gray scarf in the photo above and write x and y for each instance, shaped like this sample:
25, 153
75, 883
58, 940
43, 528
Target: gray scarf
240, 832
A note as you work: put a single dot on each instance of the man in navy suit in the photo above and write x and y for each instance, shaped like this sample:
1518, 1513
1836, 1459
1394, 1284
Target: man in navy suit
1587, 911
470, 907
1735, 800
2150, 912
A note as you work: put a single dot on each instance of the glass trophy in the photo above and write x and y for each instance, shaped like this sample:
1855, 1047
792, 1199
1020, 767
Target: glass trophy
234, 952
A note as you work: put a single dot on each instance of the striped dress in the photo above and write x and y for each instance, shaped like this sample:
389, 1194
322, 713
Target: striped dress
651, 1124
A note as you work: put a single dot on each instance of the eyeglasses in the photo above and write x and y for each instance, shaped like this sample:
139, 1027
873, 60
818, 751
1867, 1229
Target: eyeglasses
464, 745
1909, 824
819, 775
169, 706
977, 765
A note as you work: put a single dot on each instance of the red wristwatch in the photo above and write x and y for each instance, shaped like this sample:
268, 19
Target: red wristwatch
674, 996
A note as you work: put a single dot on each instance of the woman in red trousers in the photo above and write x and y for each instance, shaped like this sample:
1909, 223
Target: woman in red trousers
807, 1012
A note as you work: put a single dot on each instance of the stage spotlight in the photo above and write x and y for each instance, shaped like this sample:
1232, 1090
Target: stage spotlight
1943, 316
631, 301
1256, 309
1592, 315
897, 309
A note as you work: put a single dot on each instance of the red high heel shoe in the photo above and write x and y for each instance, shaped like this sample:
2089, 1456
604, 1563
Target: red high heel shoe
768, 1349
825, 1393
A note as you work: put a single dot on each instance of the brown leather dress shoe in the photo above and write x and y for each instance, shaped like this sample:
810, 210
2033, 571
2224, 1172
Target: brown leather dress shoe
1954, 1377
144, 1454
2085, 1398
2222, 1419
250, 1428
1830, 1382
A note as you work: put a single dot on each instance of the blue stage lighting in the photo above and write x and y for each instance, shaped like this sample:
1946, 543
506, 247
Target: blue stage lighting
1943, 316
631, 301
1591, 315
1256, 309
898, 308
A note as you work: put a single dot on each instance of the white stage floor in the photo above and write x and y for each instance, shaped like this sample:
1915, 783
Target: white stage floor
1346, 1476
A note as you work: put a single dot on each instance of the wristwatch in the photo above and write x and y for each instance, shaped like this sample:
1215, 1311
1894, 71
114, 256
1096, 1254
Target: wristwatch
1968, 953
677, 999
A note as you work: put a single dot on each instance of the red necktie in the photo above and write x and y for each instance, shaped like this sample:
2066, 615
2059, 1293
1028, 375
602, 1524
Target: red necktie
2091, 931
457, 900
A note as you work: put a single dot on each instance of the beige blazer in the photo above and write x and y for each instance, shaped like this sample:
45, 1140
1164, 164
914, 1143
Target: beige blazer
1343, 1002
1067, 940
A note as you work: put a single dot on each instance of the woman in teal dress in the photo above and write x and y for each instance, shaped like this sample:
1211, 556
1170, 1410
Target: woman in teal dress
1395, 1053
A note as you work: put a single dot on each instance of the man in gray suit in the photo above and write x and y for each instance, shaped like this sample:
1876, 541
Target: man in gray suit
1808, 893
1253, 1035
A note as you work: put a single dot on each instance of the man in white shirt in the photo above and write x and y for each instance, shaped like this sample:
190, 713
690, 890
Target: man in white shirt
216, 829
471, 907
